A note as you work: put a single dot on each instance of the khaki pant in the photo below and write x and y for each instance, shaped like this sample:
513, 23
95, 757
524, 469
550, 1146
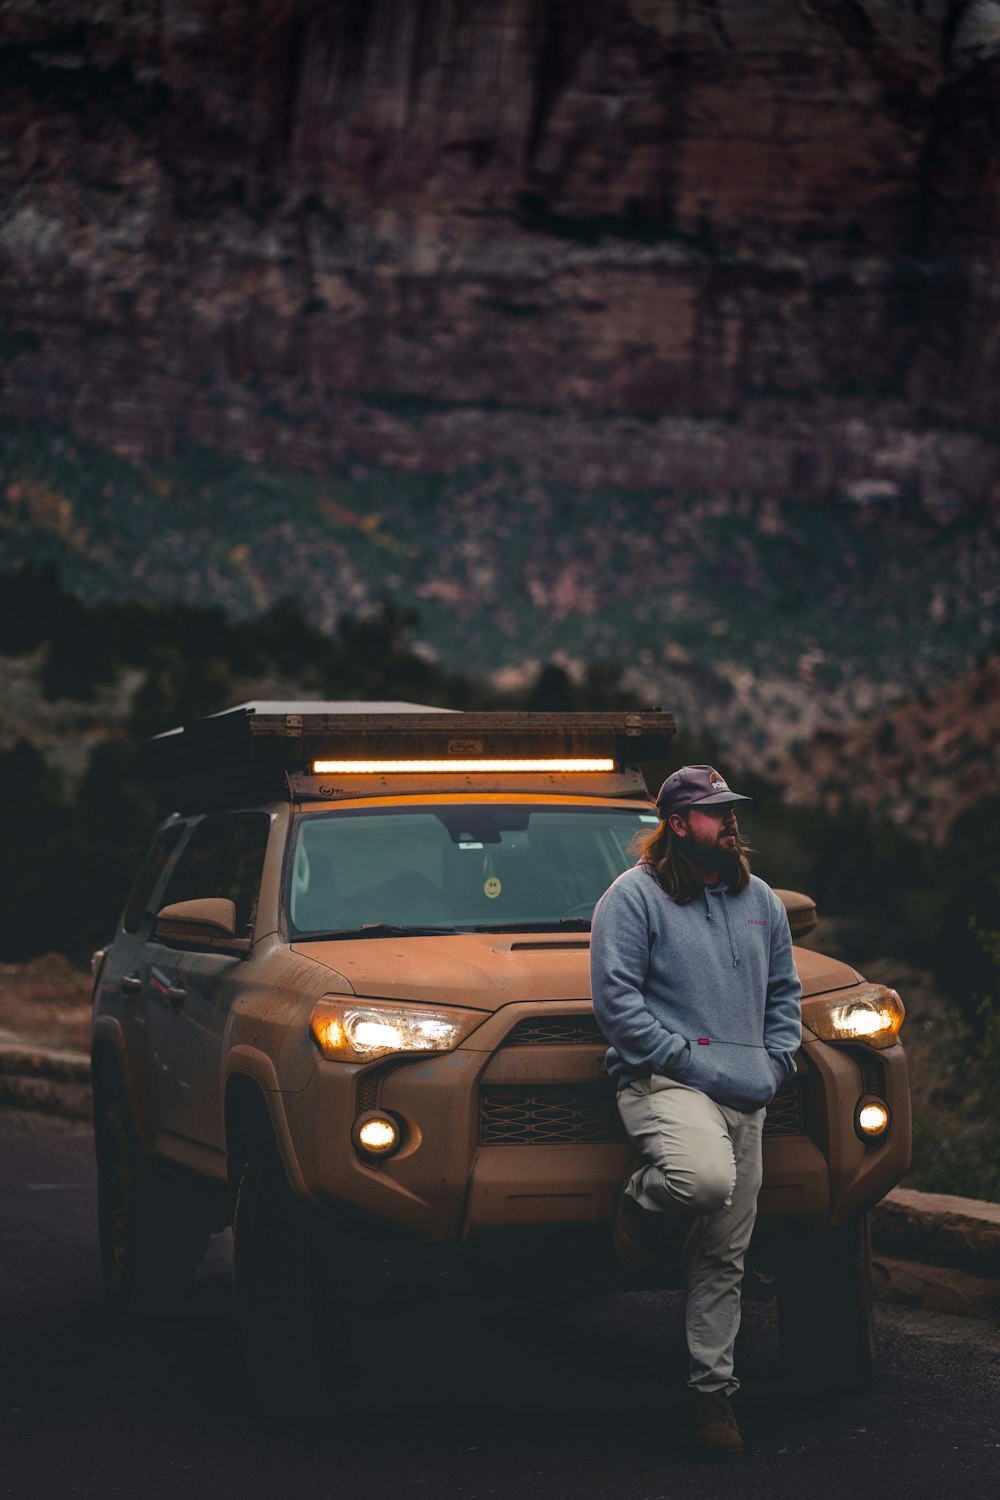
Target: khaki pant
704, 1162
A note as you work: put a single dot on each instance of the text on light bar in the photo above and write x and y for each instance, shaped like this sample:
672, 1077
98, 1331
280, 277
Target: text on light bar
391, 767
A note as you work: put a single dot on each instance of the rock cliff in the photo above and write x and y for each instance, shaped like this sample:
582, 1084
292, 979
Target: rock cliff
704, 246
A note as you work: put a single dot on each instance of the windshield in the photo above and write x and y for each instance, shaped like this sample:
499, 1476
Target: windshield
457, 866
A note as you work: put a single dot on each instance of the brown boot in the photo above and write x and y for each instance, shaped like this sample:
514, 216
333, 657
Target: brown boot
717, 1434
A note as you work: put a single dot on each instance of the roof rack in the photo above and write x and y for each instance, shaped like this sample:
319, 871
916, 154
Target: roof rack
297, 743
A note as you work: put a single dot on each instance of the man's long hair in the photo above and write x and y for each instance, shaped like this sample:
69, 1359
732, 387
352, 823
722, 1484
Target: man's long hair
663, 855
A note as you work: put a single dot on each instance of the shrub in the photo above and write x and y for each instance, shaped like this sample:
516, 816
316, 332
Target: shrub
956, 1145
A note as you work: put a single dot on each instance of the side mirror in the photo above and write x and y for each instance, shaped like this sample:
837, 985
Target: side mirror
802, 917
197, 921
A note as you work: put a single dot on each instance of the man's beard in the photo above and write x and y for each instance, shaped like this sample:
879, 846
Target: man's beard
709, 855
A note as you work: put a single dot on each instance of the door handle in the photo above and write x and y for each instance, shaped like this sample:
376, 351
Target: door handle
131, 984
175, 994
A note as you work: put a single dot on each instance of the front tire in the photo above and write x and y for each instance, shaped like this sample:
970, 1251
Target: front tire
293, 1340
826, 1316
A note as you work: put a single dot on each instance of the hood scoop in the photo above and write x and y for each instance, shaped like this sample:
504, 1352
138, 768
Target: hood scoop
540, 945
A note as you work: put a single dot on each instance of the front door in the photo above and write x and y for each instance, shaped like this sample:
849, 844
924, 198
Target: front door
192, 986
127, 987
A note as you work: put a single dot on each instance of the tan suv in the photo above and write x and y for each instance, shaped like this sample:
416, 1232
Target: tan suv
347, 1009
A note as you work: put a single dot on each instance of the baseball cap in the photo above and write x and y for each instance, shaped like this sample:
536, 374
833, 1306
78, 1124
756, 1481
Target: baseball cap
694, 786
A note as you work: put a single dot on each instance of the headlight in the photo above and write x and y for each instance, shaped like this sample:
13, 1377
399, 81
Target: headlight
873, 1015
361, 1030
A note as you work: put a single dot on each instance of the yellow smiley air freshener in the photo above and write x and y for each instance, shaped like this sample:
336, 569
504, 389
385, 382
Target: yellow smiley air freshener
492, 887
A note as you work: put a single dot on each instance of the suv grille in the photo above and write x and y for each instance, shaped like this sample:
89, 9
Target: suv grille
538, 1030
547, 1114
784, 1113
586, 1114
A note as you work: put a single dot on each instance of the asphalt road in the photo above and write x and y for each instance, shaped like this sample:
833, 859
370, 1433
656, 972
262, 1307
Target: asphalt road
455, 1398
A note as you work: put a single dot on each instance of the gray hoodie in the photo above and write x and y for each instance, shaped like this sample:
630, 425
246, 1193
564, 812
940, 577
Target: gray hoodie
705, 993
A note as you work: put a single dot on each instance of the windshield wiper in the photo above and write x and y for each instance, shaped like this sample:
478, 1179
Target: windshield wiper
371, 930
557, 924
388, 929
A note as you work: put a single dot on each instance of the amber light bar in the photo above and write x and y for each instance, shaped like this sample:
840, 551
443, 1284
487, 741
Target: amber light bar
391, 767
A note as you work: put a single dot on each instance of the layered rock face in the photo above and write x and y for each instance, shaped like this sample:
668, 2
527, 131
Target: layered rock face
702, 246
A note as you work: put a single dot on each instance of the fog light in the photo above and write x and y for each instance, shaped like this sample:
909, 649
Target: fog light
871, 1118
376, 1135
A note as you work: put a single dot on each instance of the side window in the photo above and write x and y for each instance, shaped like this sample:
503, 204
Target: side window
224, 858
146, 882
243, 868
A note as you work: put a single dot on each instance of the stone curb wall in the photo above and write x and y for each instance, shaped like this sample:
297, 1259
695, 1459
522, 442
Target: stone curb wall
39, 1078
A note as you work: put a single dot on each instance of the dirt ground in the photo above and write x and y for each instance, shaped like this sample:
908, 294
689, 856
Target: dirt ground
45, 1002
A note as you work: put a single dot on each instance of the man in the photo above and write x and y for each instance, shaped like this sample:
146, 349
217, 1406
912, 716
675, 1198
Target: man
695, 988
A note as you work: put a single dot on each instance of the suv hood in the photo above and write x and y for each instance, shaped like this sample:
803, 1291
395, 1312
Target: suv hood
817, 973
485, 970
477, 970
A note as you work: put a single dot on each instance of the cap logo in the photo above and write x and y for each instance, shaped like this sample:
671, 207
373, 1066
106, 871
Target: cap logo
717, 783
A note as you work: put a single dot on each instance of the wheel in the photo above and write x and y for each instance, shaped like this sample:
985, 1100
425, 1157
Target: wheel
152, 1238
293, 1334
826, 1319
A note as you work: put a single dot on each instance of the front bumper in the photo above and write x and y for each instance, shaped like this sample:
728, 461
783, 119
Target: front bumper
516, 1134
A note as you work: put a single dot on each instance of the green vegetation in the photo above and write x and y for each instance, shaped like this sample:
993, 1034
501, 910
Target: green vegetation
956, 1140
500, 564
937, 909
893, 894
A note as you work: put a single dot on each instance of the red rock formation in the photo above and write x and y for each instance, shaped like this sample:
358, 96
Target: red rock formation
434, 232
929, 760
